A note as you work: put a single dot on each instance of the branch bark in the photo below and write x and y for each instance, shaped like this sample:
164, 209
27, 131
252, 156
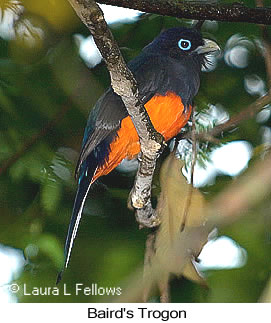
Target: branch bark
235, 12
124, 84
32, 141
234, 121
266, 46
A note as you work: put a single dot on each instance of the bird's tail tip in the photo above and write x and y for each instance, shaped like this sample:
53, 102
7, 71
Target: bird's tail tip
59, 276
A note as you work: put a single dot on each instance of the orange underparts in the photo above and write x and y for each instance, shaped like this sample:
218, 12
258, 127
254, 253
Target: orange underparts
168, 117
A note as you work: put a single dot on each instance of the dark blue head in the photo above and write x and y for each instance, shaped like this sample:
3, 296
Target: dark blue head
180, 41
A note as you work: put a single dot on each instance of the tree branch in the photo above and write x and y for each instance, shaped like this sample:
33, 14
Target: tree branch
32, 141
267, 47
245, 114
193, 164
253, 108
235, 12
234, 121
124, 84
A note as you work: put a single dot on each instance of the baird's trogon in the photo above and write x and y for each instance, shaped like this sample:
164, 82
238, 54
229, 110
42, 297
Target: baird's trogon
168, 76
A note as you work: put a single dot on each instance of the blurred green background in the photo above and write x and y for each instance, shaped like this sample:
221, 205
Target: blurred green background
46, 93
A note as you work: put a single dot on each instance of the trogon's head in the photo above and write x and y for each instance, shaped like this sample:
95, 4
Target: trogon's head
181, 41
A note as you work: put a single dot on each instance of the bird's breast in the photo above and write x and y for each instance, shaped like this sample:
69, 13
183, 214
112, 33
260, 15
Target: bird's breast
168, 116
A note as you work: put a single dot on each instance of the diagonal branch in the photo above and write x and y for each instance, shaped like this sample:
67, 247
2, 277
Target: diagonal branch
32, 141
235, 12
266, 46
124, 84
234, 121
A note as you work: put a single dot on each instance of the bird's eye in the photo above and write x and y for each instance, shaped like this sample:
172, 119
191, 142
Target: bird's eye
184, 44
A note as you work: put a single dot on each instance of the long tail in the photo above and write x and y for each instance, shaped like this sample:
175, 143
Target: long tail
84, 184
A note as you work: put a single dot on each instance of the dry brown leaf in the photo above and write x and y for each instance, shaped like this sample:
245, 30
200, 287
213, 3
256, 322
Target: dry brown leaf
191, 272
266, 295
176, 250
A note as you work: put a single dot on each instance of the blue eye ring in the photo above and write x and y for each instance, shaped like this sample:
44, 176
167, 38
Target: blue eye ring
182, 46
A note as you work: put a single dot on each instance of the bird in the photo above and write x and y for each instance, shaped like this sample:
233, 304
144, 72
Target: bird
167, 72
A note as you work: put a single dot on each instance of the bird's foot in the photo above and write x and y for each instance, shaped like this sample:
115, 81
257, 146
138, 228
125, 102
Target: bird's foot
147, 217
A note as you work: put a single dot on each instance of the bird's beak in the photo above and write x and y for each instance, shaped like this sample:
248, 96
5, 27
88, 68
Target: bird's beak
209, 46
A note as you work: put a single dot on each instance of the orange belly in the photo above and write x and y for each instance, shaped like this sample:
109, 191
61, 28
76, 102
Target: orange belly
168, 117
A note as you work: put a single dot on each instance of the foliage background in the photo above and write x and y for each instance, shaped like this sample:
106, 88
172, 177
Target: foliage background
46, 93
